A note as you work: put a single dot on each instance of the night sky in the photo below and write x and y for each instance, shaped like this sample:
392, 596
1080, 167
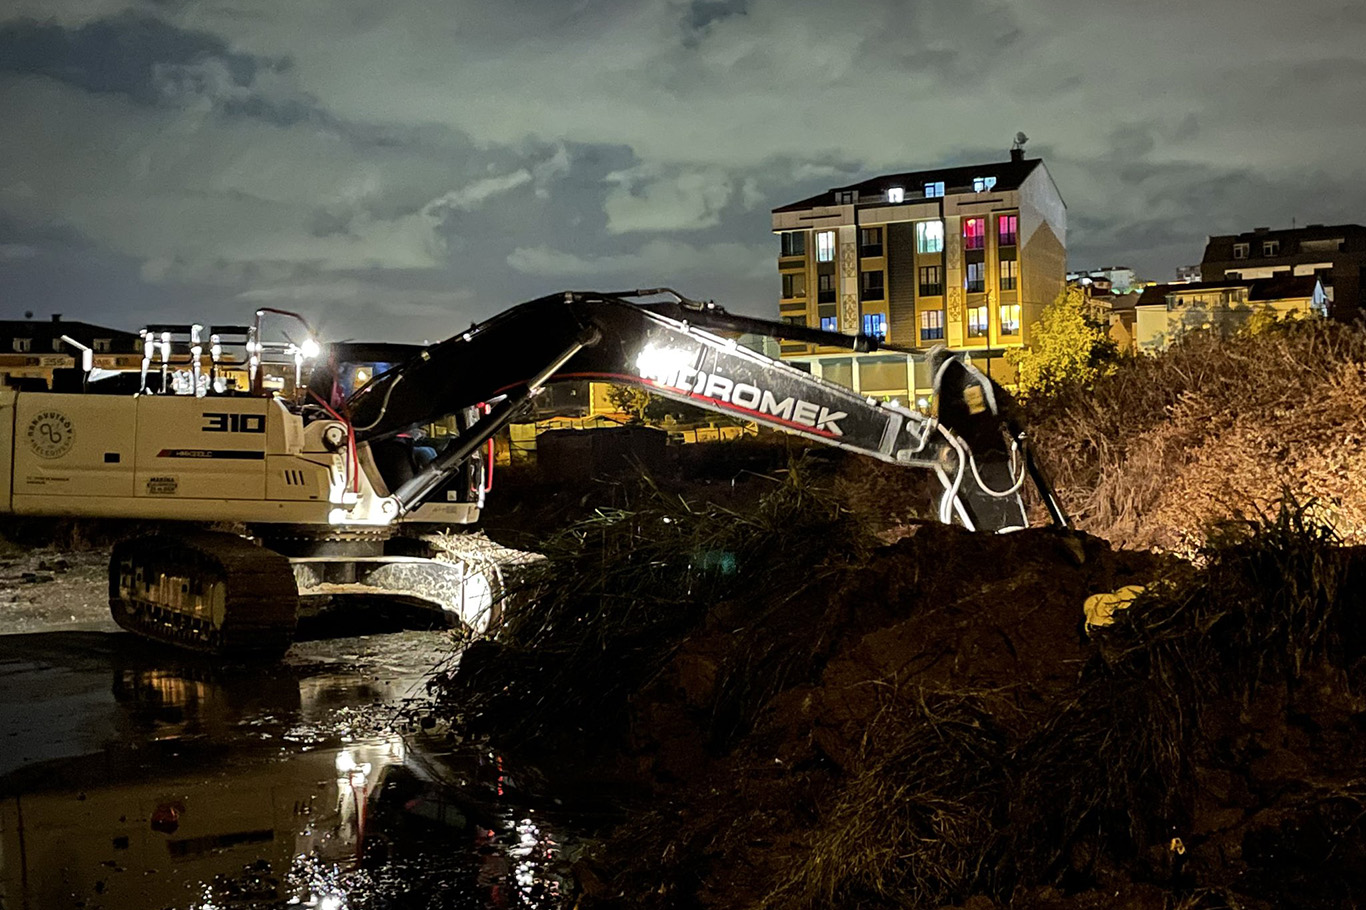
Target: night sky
398, 168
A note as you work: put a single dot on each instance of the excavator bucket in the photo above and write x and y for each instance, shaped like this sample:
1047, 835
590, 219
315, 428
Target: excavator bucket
984, 479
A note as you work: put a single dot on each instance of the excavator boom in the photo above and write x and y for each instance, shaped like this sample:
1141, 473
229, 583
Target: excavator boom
672, 349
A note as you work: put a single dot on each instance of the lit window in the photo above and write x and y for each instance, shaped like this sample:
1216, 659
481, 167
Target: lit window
875, 324
975, 281
931, 281
794, 285
825, 246
829, 324
896, 194
22, 345
1240, 250
974, 233
1006, 228
977, 321
103, 345
932, 325
1271, 248
870, 241
1009, 274
794, 243
933, 190
870, 286
929, 237
1010, 319
982, 184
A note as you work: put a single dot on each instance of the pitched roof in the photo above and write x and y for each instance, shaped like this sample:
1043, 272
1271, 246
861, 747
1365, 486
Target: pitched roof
1290, 242
1309, 232
1280, 287
44, 332
1009, 175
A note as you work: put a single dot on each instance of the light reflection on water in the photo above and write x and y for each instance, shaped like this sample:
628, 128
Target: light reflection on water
250, 790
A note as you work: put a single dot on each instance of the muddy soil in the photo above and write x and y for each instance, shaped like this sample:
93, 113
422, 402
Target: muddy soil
955, 734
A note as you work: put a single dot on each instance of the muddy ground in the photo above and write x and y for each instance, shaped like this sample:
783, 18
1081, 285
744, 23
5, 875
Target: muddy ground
133, 777
925, 718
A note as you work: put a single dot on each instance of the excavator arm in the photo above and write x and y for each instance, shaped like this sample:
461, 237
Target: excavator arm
672, 349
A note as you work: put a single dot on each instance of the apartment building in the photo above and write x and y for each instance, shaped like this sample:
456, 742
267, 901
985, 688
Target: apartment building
962, 256
1336, 254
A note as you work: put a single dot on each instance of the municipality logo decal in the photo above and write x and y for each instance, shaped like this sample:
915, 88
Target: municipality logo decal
51, 434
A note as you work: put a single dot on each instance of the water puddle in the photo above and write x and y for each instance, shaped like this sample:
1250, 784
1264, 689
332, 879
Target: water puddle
129, 780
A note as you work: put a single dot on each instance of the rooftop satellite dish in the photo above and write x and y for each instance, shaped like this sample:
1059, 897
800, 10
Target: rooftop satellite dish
1020, 140
28, 314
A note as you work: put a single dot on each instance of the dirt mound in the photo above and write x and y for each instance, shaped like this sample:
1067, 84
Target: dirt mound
815, 715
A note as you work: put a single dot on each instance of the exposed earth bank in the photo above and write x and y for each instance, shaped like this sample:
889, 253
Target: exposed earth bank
816, 710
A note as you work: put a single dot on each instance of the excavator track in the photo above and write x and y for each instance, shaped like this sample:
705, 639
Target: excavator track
204, 591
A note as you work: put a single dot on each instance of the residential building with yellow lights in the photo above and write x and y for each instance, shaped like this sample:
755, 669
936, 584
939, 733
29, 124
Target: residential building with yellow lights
964, 256
1167, 311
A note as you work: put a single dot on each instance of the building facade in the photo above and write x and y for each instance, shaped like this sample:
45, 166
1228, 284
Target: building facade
31, 349
1336, 254
966, 256
1110, 279
1166, 311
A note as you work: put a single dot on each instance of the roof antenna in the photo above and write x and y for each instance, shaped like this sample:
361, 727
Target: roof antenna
1017, 150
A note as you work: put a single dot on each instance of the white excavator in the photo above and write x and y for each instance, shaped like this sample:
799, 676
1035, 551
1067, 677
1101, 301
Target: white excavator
335, 493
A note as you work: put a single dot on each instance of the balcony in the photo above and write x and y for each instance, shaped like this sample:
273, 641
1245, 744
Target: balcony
825, 297
870, 251
931, 290
1007, 239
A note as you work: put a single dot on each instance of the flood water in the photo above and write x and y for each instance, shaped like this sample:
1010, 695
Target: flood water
132, 778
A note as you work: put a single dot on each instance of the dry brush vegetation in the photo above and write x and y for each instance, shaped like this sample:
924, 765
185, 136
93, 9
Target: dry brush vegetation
1214, 428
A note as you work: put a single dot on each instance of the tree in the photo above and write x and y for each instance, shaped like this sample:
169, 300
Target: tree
630, 400
1070, 345
641, 407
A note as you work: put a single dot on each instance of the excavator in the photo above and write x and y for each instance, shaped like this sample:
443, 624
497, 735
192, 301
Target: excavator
318, 490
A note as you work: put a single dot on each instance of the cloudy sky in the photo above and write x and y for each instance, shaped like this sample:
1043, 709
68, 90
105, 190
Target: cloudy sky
398, 168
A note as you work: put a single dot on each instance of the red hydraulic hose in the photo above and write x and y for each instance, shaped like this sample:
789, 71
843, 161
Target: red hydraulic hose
352, 459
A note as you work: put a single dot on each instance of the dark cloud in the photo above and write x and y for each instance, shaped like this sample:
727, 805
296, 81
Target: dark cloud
701, 14
125, 54
153, 62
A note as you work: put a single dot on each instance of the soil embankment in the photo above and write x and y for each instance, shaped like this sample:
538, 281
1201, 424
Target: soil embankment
815, 711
